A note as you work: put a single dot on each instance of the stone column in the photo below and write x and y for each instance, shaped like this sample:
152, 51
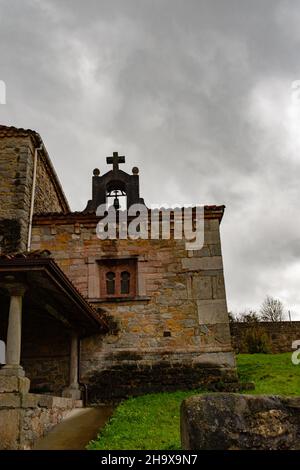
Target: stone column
74, 361
73, 390
13, 343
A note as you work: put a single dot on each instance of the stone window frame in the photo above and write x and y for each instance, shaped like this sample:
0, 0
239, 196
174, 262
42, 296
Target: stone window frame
94, 274
117, 267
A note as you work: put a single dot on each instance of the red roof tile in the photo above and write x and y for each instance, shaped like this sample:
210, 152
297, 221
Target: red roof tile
11, 131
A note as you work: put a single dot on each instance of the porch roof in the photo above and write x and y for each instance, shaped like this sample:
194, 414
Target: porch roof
51, 291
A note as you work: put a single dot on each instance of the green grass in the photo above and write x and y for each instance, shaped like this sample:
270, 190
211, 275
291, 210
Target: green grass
273, 374
146, 422
151, 422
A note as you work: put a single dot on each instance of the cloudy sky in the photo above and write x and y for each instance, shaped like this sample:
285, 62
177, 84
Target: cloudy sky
202, 95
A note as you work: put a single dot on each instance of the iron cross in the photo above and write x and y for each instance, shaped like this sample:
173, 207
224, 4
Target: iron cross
115, 160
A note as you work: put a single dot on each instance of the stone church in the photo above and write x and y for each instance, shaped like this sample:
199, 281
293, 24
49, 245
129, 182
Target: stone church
100, 319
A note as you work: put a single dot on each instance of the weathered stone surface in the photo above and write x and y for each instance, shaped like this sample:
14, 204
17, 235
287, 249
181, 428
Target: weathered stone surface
212, 311
202, 287
196, 264
222, 359
9, 428
63, 402
37, 421
47, 197
132, 379
45, 401
24, 384
74, 394
26, 417
29, 400
227, 421
16, 171
10, 400
8, 384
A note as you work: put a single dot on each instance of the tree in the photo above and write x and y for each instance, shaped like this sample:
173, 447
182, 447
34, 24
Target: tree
272, 310
249, 316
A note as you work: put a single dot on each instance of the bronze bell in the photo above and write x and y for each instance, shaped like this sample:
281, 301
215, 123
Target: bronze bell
116, 203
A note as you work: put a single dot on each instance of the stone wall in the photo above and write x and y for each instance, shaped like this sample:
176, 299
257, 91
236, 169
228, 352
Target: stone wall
280, 335
176, 328
26, 417
10, 235
154, 371
16, 175
45, 354
16, 167
46, 194
39, 415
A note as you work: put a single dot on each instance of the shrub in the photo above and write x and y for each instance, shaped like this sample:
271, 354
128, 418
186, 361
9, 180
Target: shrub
256, 341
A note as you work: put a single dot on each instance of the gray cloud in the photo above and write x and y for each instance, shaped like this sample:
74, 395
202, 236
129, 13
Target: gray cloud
196, 93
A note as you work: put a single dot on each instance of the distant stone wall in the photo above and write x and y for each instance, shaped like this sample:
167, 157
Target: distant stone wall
280, 334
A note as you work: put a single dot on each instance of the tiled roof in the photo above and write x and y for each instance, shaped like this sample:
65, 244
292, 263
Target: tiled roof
11, 131
36, 254
213, 210
89, 214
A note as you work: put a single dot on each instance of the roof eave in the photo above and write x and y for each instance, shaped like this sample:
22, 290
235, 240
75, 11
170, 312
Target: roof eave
57, 275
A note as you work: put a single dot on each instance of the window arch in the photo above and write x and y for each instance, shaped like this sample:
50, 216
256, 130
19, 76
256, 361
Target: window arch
125, 282
110, 283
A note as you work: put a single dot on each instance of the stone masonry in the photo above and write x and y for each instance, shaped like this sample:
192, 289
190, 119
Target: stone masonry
179, 292
17, 149
25, 417
279, 335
